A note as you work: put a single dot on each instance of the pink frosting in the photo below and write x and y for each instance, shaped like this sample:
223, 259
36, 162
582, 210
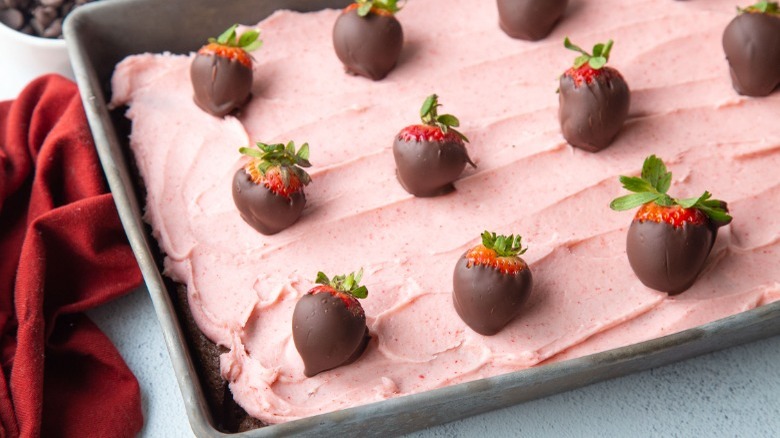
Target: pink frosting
243, 285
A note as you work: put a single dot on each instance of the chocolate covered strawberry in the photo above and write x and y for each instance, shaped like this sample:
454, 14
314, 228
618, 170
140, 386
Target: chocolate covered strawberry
368, 38
491, 282
221, 72
268, 190
594, 99
430, 156
529, 20
329, 324
752, 45
669, 238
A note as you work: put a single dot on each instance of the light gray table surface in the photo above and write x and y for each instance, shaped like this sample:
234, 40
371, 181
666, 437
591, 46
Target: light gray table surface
731, 393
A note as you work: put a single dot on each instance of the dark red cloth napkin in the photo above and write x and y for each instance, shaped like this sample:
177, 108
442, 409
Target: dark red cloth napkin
62, 251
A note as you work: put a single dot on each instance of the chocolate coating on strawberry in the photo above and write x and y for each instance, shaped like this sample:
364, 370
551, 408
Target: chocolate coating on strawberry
429, 157
751, 42
329, 324
220, 85
529, 20
268, 190
368, 38
593, 99
221, 72
669, 239
491, 283
685, 248
263, 209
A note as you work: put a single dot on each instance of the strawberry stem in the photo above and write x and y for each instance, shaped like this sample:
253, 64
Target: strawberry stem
348, 284
365, 6
597, 60
248, 41
762, 7
504, 246
286, 158
446, 122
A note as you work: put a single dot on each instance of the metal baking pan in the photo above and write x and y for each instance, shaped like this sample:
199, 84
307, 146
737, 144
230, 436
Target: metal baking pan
101, 34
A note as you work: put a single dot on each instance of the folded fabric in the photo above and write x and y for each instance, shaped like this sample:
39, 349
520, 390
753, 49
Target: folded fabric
62, 252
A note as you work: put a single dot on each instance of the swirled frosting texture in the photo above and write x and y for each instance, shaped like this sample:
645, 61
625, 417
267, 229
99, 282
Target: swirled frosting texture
243, 285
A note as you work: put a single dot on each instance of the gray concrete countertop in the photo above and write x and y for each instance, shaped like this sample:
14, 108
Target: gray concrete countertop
731, 393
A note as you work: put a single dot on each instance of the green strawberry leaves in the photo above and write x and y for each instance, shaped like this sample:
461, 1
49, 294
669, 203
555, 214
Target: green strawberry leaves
504, 246
446, 122
713, 208
762, 7
285, 157
349, 284
652, 187
632, 201
365, 6
248, 41
227, 37
597, 60
654, 172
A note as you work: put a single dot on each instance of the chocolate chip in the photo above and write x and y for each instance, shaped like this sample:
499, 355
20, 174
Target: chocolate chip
39, 17
44, 15
17, 4
54, 30
67, 8
12, 18
27, 30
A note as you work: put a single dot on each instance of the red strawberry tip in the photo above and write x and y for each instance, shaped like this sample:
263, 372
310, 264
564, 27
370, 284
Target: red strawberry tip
585, 74
499, 252
675, 215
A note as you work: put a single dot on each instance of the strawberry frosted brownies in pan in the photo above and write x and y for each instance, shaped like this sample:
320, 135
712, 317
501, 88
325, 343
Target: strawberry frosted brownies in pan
432, 239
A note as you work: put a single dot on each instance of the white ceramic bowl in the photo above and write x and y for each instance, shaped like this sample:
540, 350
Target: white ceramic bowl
27, 58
